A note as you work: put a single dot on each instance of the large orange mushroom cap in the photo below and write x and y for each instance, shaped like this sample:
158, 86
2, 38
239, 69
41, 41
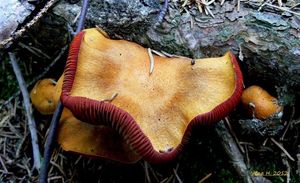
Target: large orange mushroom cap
93, 140
154, 112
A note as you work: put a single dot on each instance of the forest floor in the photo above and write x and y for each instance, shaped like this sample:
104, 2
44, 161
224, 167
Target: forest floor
276, 154
203, 157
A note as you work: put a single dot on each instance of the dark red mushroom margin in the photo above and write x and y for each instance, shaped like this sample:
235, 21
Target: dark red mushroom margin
103, 113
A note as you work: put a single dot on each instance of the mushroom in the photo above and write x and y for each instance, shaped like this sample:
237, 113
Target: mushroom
93, 140
259, 103
77, 136
153, 113
46, 102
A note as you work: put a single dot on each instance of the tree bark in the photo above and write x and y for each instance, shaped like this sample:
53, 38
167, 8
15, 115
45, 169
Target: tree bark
12, 14
267, 41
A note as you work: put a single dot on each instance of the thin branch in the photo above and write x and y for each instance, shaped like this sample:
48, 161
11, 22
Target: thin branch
283, 149
147, 177
232, 150
288, 167
177, 176
234, 135
57, 113
27, 106
288, 125
49, 143
205, 178
34, 80
83, 12
283, 9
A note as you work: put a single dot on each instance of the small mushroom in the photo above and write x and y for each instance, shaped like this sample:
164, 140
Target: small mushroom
42, 95
259, 103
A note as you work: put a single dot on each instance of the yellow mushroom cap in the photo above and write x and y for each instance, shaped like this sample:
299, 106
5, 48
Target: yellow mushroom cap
260, 103
42, 96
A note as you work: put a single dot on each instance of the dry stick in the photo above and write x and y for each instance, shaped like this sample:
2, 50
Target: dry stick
205, 178
229, 127
111, 98
288, 125
37, 52
233, 151
177, 176
283, 9
27, 106
147, 177
49, 143
81, 21
57, 113
34, 80
288, 167
283, 149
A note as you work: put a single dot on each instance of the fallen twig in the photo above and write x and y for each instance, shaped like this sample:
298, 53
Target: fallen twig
34, 50
288, 125
283, 149
205, 178
34, 80
158, 53
176, 175
57, 113
282, 9
27, 106
49, 143
147, 177
234, 135
233, 151
288, 167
